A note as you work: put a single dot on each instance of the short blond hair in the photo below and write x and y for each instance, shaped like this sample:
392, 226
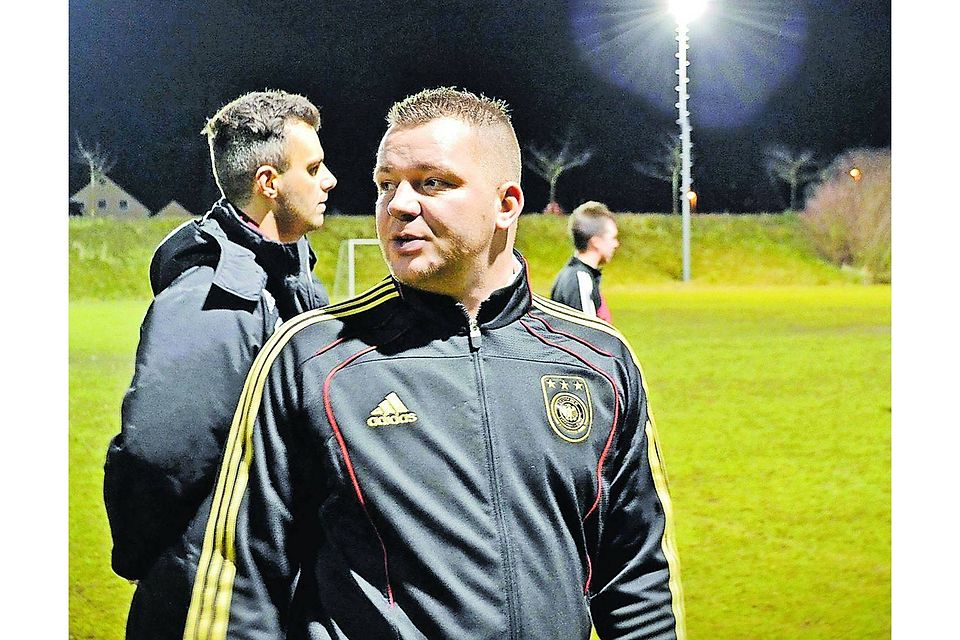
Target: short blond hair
588, 221
478, 111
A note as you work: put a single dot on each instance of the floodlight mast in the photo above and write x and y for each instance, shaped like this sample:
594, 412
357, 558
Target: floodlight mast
684, 11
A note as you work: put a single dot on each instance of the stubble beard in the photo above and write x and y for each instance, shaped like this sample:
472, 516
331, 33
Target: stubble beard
288, 216
445, 276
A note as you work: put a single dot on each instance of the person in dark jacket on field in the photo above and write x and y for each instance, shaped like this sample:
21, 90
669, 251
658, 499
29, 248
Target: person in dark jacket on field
593, 230
221, 285
446, 456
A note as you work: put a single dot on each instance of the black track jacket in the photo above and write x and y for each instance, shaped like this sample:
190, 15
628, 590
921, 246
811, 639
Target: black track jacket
432, 481
578, 286
220, 288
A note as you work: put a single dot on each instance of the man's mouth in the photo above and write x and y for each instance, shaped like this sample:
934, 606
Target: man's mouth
405, 243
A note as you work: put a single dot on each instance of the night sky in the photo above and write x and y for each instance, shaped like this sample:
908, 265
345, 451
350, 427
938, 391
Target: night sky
143, 78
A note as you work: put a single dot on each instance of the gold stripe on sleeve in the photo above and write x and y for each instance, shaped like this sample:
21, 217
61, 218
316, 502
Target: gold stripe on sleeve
657, 468
209, 613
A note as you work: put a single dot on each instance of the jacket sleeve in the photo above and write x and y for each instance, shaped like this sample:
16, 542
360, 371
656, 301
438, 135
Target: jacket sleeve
575, 289
636, 578
249, 559
190, 366
565, 290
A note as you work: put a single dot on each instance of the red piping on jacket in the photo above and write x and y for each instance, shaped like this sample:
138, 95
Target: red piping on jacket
346, 458
590, 345
613, 428
328, 347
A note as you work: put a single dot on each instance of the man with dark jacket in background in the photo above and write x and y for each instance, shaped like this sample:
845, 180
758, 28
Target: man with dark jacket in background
594, 234
222, 284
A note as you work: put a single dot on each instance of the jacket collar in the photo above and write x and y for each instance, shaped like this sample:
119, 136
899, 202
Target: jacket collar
577, 262
504, 306
277, 258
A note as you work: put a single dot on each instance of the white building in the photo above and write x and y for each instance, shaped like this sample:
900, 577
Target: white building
104, 197
174, 209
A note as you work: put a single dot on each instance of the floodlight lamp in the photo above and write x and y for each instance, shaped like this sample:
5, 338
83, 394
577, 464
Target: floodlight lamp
686, 11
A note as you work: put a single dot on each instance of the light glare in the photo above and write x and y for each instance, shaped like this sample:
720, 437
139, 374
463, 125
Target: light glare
685, 11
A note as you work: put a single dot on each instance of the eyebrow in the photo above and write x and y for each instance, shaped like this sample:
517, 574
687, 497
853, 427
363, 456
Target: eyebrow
422, 167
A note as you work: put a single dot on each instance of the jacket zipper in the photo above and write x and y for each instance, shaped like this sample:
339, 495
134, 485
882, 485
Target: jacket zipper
505, 555
474, 335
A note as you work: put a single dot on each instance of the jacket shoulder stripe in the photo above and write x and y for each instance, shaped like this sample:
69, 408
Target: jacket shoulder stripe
555, 308
209, 613
668, 544
585, 290
657, 468
387, 284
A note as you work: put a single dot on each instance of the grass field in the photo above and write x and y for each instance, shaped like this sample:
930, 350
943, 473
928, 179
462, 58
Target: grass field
109, 258
773, 406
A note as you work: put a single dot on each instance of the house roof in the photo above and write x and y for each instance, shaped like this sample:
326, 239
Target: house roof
104, 184
174, 209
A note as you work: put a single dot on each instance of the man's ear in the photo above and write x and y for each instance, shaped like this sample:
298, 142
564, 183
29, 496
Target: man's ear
592, 243
264, 181
511, 204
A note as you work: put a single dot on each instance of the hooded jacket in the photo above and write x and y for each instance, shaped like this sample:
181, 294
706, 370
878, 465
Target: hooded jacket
432, 477
220, 289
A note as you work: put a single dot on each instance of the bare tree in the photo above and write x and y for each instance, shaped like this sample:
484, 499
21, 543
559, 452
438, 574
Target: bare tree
550, 162
664, 163
97, 160
792, 167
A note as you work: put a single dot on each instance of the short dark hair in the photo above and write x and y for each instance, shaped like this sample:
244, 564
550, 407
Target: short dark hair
587, 221
476, 110
248, 133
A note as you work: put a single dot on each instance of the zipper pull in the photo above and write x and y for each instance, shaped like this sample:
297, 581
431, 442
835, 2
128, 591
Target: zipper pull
474, 335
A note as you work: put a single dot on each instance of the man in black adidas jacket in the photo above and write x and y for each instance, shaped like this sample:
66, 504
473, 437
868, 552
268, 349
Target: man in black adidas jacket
446, 455
221, 285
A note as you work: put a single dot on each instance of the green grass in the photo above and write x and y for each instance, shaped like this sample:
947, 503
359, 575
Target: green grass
755, 249
773, 407
774, 410
103, 339
109, 258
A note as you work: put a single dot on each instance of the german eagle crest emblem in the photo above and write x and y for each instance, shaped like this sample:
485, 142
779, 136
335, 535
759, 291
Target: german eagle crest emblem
567, 400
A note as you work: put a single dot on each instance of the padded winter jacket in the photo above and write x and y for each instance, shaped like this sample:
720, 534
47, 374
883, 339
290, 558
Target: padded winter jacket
433, 477
220, 290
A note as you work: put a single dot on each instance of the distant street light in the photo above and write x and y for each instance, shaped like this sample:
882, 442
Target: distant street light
856, 174
685, 11
692, 197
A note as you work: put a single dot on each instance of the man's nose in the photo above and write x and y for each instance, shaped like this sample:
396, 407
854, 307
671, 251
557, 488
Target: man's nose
329, 181
405, 203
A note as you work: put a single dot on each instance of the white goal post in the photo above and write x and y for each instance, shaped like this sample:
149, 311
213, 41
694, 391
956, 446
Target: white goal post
345, 281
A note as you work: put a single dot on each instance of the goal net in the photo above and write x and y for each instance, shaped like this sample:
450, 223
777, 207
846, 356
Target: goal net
360, 265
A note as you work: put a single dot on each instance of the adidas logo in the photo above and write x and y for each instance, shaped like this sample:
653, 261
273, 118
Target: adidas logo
391, 410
